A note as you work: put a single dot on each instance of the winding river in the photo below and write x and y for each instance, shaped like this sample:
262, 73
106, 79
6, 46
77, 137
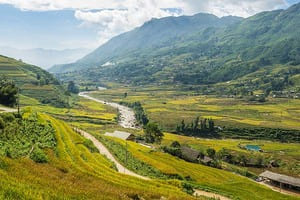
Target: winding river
127, 117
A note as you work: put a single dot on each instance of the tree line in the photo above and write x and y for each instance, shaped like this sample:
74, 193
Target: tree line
198, 127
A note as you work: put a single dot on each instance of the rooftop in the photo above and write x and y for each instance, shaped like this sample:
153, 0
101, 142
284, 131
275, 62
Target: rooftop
189, 153
281, 178
119, 134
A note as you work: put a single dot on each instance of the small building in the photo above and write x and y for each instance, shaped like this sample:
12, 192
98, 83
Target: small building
190, 154
279, 180
122, 135
193, 155
206, 160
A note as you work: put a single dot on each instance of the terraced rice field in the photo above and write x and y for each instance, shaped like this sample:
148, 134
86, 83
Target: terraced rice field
174, 105
211, 179
75, 173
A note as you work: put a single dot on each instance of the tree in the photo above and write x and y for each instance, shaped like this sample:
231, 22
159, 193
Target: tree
182, 127
125, 94
196, 123
211, 125
242, 160
175, 144
73, 88
211, 152
8, 92
2, 123
152, 133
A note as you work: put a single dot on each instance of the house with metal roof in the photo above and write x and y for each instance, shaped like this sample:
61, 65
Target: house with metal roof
122, 135
279, 180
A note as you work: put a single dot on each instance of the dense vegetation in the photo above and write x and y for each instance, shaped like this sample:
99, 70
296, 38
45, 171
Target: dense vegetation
257, 53
33, 82
198, 127
281, 135
26, 135
8, 92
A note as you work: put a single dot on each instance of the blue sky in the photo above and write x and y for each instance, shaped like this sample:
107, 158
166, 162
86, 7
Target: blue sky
49, 29
57, 24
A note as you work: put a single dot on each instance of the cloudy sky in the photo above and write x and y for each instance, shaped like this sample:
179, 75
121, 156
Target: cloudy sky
61, 24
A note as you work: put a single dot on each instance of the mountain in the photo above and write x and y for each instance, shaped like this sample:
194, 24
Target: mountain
257, 53
45, 58
33, 81
157, 32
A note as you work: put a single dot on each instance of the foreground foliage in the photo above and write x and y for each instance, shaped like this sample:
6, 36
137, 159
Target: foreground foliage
74, 172
26, 136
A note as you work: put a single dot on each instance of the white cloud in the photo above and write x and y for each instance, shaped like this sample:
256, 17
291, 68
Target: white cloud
113, 17
114, 22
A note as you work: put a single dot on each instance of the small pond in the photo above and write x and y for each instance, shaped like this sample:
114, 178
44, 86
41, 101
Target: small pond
252, 147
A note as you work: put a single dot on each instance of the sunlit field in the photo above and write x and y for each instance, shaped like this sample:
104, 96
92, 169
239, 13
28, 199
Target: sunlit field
211, 179
73, 172
174, 105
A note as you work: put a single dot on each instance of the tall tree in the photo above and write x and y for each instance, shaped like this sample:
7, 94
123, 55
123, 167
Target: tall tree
152, 133
72, 87
8, 92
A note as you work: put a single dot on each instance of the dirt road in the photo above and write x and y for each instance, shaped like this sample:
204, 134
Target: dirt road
104, 151
5, 109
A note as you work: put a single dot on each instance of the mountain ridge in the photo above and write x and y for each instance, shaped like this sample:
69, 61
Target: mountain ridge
151, 34
267, 42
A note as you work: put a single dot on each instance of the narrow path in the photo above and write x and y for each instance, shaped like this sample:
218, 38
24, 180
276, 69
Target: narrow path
6, 110
104, 151
127, 116
210, 195
280, 190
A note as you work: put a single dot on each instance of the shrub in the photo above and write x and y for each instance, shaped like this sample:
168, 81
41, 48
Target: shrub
2, 123
8, 117
188, 188
39, 156
90, 145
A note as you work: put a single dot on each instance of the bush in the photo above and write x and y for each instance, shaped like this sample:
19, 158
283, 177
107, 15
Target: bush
2, 123
8, 117
90, 145
188, 188
39, 156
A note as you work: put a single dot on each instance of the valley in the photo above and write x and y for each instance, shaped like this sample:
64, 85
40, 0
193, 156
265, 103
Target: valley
173, 104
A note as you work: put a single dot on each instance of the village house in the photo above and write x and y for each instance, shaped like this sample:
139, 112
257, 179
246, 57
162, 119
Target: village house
281, 181
122, 135
192, 155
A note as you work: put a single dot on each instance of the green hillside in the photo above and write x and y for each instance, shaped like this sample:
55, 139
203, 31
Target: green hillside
154, 33
266, 44
33, 81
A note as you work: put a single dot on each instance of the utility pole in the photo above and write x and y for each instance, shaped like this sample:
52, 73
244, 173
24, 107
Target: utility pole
18, 101
126, 153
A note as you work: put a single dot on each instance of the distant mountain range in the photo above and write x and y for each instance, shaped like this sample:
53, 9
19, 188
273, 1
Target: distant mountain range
44, 58
157, 32
261, 52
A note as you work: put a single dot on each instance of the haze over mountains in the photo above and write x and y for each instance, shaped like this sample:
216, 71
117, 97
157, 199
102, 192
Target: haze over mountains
44, 58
